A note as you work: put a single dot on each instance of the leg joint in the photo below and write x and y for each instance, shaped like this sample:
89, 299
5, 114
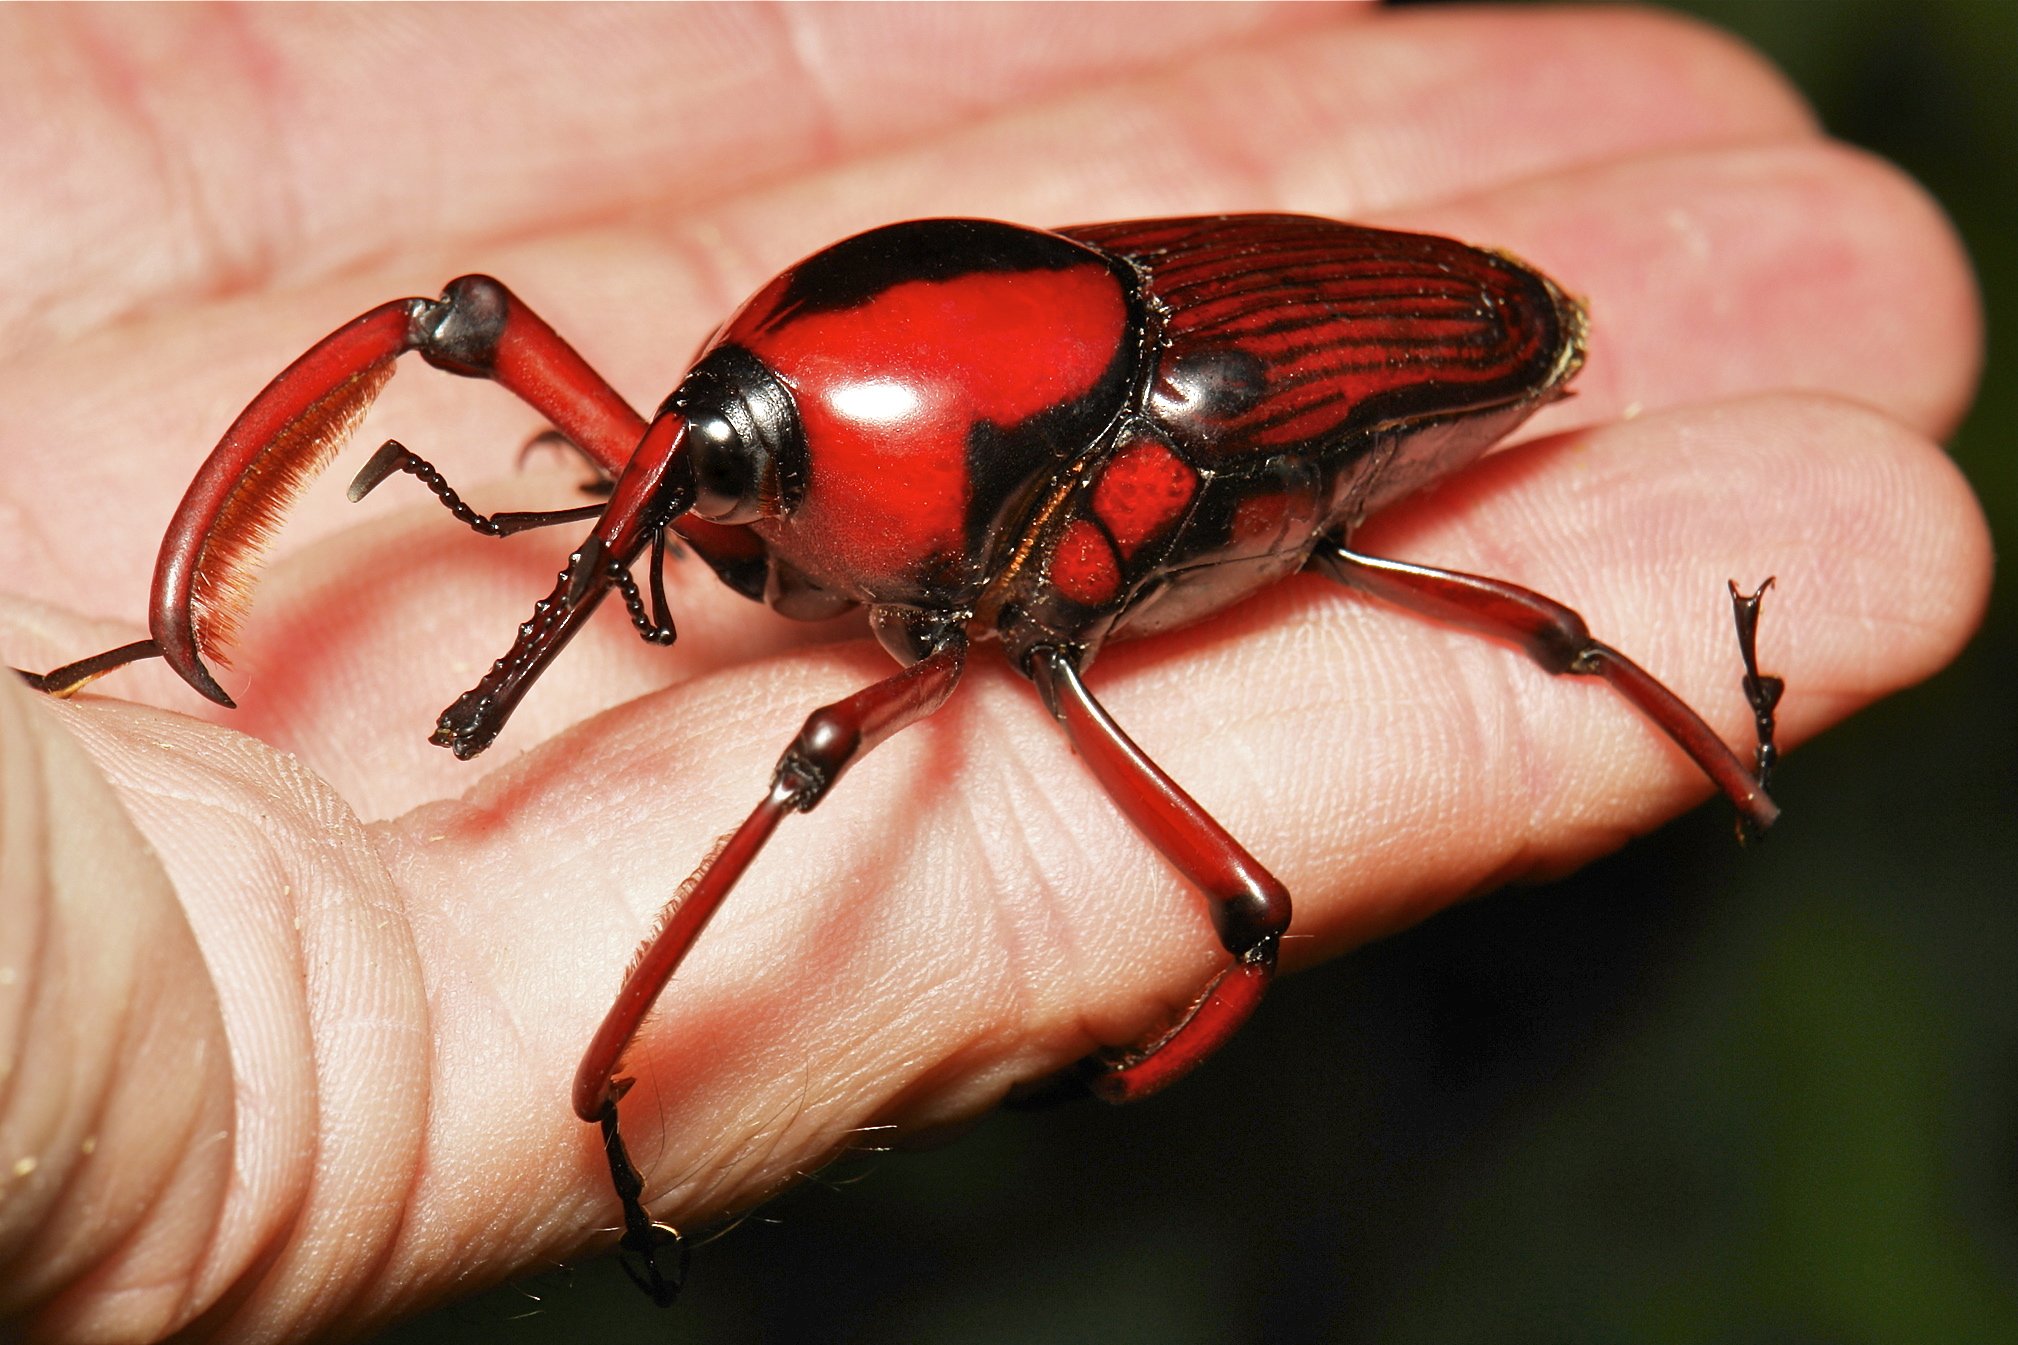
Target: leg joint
460, 331
816, 758
1559, 640
1254, 917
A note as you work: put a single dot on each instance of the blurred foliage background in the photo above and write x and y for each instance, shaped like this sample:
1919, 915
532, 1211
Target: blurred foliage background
1691, 1094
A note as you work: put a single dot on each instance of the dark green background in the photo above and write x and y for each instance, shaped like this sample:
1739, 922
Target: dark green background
1692, 1094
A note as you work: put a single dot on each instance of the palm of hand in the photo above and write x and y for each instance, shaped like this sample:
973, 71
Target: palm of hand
315, 1013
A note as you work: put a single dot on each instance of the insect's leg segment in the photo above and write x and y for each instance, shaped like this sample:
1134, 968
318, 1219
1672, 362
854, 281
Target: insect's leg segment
294, 427
1761, 692
644, 1238
1250, 907
657, 487
599, 486
833, 739
285, 437
393, 456
71, 678
1555, 637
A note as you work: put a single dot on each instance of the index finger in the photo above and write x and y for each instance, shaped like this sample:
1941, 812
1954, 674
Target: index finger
164, 155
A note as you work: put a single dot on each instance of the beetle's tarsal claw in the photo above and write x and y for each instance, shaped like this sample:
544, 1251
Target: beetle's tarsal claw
392, 455
643, 1247
464, 728
640, 1253
1762, 693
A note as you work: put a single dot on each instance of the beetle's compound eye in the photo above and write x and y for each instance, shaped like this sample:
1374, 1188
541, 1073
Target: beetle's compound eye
743, 437
728, 484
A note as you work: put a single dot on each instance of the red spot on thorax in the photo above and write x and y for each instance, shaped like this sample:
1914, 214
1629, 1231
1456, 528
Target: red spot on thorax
890, 390
1083, 567
1259, 519
1143, 488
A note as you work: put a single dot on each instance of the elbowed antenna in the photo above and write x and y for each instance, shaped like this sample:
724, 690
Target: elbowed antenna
655, 488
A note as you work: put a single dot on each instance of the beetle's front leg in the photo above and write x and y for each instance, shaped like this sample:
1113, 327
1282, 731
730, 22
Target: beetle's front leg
210, 554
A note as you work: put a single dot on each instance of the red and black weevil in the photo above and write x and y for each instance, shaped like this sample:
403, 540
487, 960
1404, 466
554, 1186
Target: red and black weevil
977, 430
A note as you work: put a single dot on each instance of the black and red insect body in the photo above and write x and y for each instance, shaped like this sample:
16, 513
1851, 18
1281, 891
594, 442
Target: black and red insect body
975, 430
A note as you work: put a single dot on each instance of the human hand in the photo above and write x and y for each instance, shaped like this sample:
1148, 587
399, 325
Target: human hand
317, 1013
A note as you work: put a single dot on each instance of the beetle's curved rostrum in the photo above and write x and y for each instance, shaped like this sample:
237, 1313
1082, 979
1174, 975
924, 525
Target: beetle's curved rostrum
978, 431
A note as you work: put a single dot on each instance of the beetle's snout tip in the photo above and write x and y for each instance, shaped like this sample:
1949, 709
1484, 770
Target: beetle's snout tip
464, 727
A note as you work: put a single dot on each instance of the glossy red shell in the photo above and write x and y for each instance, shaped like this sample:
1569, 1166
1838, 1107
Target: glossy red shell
891, 392
1053, 436
1141, 491
1305, 372
1283, 331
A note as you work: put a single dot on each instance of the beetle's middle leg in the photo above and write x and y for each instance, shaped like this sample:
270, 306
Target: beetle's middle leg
834, 737
1250, 906
296, 424
1555, 637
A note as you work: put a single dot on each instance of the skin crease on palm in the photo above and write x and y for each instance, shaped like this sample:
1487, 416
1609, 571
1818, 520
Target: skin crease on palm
291, 999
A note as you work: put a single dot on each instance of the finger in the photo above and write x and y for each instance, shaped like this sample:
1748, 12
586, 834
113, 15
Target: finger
1382, 766
280, 1078
117, 1122
1419, 107
112, 427
1711, 275
232, 149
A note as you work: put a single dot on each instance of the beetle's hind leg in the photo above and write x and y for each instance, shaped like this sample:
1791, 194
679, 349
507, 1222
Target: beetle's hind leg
1556, 637
1250, 907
